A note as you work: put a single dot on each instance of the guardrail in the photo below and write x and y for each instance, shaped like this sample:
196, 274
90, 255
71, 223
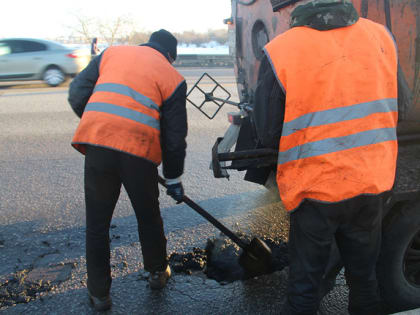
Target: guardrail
204, 61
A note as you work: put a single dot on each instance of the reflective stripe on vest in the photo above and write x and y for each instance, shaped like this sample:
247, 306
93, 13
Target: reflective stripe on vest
123, 112
339, 143
125, 90
339, 134
340, 114
332, 145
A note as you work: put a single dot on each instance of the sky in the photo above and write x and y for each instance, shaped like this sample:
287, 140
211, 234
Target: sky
54, 18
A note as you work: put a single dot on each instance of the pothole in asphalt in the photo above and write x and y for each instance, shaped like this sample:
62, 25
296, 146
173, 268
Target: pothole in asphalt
220, 260
26, 285
17, 290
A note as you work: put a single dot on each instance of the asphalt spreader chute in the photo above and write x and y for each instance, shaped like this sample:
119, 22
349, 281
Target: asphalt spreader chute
256, 257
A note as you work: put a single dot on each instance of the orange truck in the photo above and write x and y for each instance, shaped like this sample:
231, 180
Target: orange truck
252, 25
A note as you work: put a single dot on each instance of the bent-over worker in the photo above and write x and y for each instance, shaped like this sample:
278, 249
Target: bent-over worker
131, 101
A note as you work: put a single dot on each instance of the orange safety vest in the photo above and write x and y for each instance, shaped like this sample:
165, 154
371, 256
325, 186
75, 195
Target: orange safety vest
339, 135
123, 112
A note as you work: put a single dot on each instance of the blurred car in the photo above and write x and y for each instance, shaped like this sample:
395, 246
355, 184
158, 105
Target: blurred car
27, 59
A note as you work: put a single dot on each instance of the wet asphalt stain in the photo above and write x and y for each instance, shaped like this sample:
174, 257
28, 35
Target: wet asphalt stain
17, 289
26, 285
220, 260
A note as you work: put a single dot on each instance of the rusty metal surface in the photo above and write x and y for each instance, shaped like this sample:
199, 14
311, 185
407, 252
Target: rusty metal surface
404, 22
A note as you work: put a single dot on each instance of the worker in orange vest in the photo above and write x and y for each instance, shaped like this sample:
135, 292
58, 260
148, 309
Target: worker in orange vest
327, 100
132, 104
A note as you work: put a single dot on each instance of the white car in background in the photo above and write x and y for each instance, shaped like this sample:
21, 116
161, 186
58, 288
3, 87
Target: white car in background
27, 59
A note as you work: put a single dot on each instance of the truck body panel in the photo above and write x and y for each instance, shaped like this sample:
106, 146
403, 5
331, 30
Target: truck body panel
254, 23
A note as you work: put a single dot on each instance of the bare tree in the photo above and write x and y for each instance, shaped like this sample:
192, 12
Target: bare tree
111, 31
138, 37
116, 30
122, 30
84, 27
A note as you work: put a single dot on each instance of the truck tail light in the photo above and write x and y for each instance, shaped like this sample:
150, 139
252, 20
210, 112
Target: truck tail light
228, 21
235, 118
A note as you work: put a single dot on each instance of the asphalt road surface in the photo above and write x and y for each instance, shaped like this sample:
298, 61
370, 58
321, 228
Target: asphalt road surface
42, 215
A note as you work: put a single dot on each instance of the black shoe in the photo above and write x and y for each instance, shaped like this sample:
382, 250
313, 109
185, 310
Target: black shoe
158, 279
100, 304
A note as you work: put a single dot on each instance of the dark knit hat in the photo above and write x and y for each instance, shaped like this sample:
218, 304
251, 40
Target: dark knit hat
166, 40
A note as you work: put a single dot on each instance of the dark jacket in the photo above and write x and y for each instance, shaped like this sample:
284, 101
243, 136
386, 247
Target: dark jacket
173, 121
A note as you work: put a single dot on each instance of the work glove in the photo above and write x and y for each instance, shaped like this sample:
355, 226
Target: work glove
176, 191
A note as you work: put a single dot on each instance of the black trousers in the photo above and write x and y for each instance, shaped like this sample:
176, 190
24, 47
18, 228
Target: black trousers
355, 225
105, 171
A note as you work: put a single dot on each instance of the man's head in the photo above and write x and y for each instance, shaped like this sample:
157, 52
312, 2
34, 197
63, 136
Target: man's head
167, 41
323, 14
